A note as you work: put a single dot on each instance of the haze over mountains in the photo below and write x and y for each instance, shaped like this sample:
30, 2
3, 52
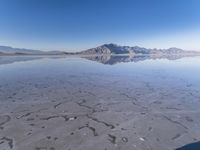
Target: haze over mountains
7, 50
106, 49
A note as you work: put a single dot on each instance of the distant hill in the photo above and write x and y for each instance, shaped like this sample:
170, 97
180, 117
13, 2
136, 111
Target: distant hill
11, 50
116, 49
7, 50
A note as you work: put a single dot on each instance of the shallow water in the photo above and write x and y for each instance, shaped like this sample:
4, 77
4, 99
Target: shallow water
102, 103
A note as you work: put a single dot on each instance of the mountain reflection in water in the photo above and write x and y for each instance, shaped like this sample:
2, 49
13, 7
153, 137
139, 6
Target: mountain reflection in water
114, 59
13, 59
104, 59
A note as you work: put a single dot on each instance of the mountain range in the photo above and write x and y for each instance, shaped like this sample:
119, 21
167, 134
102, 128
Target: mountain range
117, 49
106, 49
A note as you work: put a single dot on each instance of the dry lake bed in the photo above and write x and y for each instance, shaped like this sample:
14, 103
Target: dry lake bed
118, 103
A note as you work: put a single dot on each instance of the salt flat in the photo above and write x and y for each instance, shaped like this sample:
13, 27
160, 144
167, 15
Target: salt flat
74, 103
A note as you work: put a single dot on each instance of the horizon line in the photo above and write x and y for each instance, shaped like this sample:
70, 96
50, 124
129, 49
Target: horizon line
61, 50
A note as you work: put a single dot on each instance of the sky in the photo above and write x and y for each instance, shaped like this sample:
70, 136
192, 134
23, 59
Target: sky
74, 25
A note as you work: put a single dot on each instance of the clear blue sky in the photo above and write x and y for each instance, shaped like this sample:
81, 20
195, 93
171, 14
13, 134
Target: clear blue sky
79, 24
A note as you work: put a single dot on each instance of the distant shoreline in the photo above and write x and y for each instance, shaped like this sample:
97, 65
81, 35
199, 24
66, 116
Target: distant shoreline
93, 55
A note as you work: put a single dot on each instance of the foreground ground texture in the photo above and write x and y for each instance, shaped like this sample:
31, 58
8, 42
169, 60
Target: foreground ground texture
81, 112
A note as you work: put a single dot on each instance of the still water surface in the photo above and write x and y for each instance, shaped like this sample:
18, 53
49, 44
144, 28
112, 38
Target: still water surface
148, 103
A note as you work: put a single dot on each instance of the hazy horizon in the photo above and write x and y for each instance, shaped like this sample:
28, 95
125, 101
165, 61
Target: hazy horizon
79, 25
78, 50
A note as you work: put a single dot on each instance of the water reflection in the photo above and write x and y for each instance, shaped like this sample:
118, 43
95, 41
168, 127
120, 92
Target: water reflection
13, 59
104, 59
153, 104
111, 60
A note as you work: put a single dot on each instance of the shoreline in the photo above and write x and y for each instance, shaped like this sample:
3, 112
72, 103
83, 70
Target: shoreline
90, 55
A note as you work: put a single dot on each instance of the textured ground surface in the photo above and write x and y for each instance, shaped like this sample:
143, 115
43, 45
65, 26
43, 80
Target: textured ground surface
66, 108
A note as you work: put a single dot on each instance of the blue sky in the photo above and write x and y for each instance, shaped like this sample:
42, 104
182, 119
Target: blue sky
80, 24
